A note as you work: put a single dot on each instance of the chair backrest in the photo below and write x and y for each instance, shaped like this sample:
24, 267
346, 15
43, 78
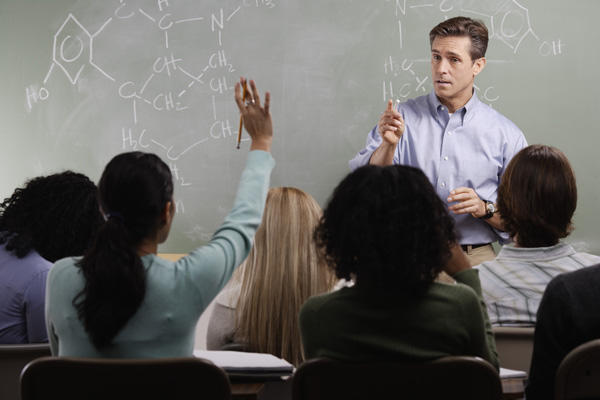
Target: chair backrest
462, 378
515, 346
121, 379
578, 375
13, 358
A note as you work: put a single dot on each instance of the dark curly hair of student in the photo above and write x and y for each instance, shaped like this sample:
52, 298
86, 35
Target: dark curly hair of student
133, 192
388, 227
55, 215
537, 196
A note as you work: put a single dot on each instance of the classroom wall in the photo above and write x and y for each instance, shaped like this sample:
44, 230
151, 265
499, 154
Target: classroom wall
83, 80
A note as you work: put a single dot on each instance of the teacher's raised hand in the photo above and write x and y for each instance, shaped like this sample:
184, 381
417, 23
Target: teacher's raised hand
391, 124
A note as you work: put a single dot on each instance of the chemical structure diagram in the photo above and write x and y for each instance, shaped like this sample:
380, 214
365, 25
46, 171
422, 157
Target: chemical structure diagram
73, 55
507, 21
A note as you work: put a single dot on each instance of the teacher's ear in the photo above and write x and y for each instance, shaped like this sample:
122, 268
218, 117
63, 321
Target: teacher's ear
478, 66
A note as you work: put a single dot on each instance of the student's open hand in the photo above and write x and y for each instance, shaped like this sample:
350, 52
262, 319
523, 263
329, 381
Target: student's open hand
256, 117
467, 202
391, 124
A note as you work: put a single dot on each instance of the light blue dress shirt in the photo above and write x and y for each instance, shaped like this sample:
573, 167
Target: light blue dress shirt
469, 148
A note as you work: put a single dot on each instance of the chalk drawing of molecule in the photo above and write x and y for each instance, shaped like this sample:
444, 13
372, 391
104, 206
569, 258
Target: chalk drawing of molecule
73, 49
511, 25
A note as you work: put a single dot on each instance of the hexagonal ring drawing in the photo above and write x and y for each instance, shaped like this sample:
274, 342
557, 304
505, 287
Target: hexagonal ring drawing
71, 33
511, 25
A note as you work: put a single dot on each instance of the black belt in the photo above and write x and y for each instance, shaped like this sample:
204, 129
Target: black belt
473, 246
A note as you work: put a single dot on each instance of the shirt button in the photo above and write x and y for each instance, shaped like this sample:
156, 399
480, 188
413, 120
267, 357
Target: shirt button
443, 184
449, 132
446, 158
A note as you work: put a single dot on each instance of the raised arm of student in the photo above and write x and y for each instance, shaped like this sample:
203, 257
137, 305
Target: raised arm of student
231, 243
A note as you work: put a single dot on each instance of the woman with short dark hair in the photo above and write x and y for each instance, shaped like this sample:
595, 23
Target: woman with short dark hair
386, 228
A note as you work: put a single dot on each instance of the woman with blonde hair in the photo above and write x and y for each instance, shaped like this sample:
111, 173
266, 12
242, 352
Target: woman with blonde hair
259, 309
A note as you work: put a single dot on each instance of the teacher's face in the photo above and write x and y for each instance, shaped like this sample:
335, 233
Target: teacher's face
452, 70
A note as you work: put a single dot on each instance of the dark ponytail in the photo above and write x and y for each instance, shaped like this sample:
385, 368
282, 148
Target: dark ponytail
133, 192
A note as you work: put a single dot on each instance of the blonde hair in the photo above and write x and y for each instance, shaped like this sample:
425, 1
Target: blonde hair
284, 268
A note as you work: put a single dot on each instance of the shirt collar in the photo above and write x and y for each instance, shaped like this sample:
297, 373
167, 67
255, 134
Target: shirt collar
472, 103
466, 110
559, 250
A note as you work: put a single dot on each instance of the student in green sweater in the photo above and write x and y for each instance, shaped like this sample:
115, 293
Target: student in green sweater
387, 230
122, 301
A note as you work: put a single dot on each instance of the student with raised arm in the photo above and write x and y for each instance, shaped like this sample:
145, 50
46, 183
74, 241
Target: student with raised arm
386, 228
461, 144
49, 218
121, 300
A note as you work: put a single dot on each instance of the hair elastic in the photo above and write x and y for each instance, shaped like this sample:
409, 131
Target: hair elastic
115, 214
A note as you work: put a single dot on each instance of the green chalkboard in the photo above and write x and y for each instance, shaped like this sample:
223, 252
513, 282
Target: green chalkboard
85, 80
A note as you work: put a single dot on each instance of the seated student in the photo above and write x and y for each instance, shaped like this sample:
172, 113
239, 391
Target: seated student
537, 198
387, 228
121, 300
567, 317
49, 218
282, 271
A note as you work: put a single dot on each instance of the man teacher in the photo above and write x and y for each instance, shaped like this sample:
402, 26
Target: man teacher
460, 143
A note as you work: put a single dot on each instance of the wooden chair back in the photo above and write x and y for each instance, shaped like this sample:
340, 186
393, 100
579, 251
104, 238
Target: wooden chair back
13, 358
464, 378
123, 379
578, 375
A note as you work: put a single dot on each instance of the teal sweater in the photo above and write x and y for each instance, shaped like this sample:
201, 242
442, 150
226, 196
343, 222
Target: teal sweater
450, 319
176, 293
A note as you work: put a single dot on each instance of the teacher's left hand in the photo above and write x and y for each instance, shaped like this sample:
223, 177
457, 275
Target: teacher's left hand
467, 202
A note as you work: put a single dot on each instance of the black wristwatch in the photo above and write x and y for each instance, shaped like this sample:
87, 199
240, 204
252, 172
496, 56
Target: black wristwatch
490, 209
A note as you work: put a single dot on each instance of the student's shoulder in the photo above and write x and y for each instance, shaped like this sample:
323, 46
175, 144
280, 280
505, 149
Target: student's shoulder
64, 270
326, 301
65, 264
463, 291
33, 263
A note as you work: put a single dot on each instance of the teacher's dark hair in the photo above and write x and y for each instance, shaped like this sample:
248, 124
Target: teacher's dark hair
537, 196
464, 27
388, 227
133, 192
55, 215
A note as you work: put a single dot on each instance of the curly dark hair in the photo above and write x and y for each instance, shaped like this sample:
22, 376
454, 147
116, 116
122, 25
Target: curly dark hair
537, 196
55, 215
388, 227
